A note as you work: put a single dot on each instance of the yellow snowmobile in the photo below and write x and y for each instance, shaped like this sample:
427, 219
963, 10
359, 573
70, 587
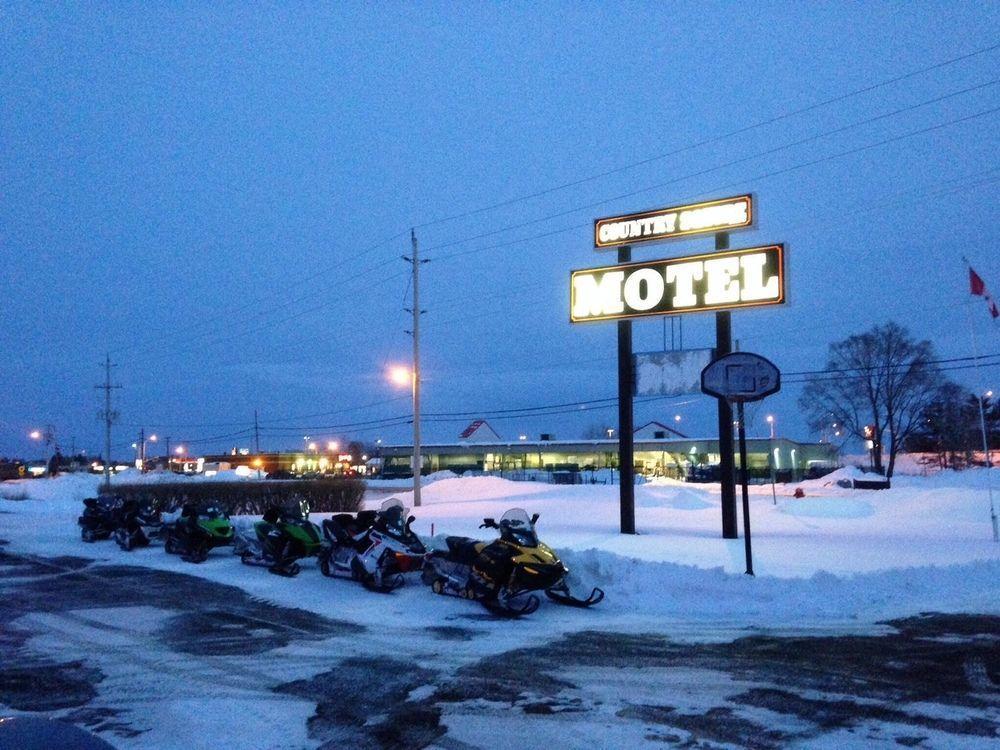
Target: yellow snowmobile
502, 574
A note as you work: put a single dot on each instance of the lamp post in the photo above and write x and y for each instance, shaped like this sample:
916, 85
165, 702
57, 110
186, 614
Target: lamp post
46, 436
770, 458
402, 376
152, 439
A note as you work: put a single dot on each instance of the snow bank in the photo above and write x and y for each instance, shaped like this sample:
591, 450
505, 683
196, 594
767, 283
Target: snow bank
391, 484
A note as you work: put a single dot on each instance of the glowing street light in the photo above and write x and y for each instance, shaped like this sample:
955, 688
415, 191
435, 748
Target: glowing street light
677, 417
770, 421
399, 375
312, 447
179, 450
332, 446
35, 434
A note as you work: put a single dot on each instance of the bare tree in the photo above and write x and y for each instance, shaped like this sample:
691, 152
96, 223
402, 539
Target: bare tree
882, 378
947, 427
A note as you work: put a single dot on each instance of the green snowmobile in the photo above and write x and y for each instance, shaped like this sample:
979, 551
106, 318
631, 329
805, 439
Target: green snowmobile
280, 538
197, 531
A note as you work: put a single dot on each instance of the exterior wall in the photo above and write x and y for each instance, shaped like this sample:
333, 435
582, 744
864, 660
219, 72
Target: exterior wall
671, 458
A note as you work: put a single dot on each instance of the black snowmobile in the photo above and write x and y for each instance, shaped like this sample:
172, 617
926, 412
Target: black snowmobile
502, 574
373, 547
197, 531
280, 538
137, 525
100, 517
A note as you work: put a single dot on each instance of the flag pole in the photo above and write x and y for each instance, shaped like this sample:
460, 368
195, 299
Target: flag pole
982, 416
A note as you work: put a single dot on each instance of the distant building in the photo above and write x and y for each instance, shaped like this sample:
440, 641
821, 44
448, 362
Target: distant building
479, 432
657, 431
671, 456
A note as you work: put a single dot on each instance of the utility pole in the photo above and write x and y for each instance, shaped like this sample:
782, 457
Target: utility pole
142, 449
415, 375
109, 417
256, 433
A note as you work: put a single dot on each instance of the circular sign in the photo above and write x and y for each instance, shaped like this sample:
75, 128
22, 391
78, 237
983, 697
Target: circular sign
741, 376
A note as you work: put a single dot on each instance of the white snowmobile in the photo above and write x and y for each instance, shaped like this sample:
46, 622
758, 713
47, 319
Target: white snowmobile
373, 547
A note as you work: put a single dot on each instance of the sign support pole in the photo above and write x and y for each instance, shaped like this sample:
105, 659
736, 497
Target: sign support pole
626, 462
744, 475
727, 468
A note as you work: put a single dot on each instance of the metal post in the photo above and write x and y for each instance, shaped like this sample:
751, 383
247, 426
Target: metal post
142, 449
256, 433
417, 458
626, 461
770, 464
727, 470
744, 477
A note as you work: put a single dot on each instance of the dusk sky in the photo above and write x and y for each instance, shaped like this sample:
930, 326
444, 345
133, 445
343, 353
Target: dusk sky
219, 196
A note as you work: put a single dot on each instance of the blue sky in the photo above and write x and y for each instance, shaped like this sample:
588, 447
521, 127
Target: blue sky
209, 192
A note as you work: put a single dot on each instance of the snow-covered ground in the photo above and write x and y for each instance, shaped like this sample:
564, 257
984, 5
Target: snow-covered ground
835, 561
837, 553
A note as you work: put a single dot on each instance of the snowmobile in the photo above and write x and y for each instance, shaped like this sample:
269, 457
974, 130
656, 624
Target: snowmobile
137, 525
100, 517
281, 537
502, 574
375, 548
197, 531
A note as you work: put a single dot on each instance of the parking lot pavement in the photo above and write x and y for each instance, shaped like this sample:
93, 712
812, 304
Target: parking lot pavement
151, 658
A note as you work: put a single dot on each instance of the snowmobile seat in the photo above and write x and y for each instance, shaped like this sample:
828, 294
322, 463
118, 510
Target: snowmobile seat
272, 515
462, 549
365, 519
338, 528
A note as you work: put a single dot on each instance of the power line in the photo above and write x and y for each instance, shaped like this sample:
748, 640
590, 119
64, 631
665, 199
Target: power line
714, 139
674, 180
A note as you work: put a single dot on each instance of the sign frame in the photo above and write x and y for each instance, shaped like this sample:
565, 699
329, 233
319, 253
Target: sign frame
642, 215
780, 300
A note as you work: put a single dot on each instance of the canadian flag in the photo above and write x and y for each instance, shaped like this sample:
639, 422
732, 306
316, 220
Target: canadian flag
978, 287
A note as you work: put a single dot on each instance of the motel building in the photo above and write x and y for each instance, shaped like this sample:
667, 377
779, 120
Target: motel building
660, 451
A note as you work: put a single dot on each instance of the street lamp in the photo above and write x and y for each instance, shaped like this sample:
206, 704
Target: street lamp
332, 446
770, 458
402, 376
677, 417
399, 375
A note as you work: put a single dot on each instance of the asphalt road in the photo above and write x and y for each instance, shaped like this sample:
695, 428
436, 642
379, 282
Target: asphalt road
112, 648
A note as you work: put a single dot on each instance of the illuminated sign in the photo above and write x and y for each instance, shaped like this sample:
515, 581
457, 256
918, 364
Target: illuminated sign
751, 277
698, 218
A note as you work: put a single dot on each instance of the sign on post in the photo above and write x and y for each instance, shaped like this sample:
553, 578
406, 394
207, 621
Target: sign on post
751, 277
673, 373
722, 215
740, 377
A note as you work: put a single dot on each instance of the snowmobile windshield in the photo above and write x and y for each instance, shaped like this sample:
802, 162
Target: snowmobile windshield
297, 509
393, 515
515, 526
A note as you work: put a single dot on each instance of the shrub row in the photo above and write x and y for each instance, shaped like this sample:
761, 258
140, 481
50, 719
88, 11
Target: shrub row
327, 495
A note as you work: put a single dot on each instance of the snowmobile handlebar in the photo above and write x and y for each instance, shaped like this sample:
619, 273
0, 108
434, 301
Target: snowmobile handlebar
488, 523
